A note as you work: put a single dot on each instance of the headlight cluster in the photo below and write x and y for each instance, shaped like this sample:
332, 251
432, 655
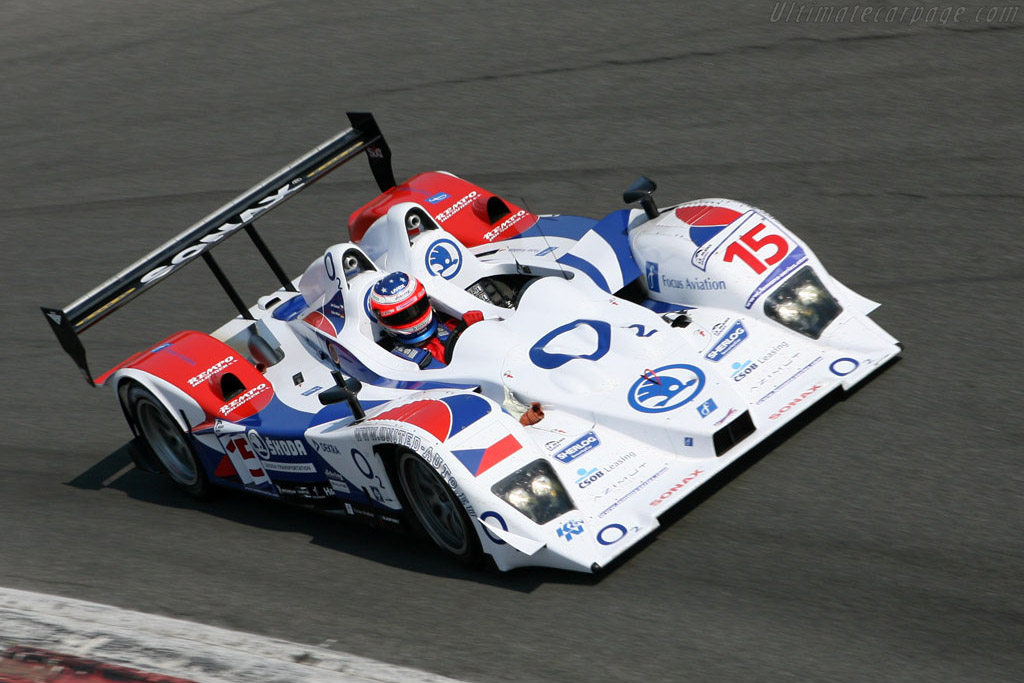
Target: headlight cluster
535, 491
803, 304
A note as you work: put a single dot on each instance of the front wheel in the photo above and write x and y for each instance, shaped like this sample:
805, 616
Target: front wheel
167, 442
437, 509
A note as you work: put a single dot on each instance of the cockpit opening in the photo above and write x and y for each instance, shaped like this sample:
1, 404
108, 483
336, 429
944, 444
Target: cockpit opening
501, 290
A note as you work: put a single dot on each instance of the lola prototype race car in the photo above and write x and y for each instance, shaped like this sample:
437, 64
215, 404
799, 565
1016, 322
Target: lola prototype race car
620, 363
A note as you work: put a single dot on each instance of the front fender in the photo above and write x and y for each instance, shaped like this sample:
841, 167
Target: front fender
465, 437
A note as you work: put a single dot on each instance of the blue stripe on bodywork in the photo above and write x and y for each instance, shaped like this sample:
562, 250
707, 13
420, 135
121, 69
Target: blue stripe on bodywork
613, 229
290, 309
567, 227
279, 420
588, 268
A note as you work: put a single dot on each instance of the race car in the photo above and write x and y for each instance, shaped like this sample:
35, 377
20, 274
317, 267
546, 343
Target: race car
616, 365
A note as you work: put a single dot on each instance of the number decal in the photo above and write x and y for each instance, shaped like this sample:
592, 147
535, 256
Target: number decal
748, 245
245, 462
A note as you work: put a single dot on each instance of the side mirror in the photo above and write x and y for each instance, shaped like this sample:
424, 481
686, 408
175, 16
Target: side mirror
643, 191
333, 395
346, 390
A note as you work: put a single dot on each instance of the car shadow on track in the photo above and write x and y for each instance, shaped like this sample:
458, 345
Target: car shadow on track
382, 544
393, 547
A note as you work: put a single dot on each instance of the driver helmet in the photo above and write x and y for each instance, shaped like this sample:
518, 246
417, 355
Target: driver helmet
400, 304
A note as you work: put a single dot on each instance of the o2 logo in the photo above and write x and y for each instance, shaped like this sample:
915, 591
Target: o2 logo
444, 259
641, 331
490, 514
666, 388
362, 463
843, 366
613, 533
550, 360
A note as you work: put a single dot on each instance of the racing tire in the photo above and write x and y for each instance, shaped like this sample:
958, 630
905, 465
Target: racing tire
436, 509
167, 443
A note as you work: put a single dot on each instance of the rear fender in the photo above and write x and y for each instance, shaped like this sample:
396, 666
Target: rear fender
178, 404
198, 374
182, 407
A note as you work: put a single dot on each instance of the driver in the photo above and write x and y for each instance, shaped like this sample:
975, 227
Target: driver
415, 331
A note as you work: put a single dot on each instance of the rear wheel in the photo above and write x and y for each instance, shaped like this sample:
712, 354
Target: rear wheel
437, 509
167, 442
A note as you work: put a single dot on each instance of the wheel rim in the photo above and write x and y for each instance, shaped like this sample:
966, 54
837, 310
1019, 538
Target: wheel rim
168, 443
434, 505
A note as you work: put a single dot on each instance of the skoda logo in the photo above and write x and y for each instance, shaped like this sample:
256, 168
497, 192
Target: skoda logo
258, 445
444, 259
666, 388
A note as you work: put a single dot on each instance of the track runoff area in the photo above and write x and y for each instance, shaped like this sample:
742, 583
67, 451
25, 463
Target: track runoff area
55, 639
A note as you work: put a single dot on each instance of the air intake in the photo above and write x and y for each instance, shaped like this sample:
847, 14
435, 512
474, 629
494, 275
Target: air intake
732, 433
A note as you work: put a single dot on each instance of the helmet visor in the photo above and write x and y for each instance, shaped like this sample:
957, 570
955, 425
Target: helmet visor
407, 316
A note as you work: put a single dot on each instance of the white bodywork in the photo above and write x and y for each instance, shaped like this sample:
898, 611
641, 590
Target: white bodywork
625, 441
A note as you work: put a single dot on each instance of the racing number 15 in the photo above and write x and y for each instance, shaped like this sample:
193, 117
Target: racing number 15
748, 244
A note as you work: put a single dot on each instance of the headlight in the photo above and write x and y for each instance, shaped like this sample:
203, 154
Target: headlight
809, 294
803, 304
542, 486
519, 498
535, 491
789, 312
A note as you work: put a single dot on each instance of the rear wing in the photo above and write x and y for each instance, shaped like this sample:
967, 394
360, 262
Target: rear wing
238, 214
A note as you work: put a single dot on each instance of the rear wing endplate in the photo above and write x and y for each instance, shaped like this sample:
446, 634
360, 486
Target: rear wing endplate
239, 213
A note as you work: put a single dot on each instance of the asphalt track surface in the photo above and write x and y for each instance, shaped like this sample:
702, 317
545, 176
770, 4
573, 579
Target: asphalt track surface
882, 540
